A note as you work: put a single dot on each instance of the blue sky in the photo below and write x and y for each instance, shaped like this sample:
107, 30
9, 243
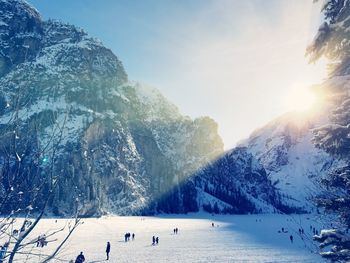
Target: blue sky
236, 61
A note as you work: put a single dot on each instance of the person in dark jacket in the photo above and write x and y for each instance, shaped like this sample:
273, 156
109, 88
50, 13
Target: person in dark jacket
108, 249
80, 258
157, 240
153, 240
291, 238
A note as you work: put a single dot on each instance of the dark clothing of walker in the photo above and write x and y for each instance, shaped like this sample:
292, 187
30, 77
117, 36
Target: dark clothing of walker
108, 249
80, 258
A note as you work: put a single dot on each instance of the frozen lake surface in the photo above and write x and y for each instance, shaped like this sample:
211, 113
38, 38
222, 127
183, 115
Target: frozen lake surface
235, 238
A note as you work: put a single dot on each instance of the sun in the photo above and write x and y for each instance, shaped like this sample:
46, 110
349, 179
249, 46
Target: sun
300, 98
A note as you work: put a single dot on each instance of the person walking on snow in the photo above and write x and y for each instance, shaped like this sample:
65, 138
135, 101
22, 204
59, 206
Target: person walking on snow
291, 238
80, 258
153, 240
108, 249
157, 240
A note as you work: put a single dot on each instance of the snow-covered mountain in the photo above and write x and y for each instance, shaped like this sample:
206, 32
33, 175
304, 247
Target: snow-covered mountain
66, 99
237, 183
69, 114
285, 148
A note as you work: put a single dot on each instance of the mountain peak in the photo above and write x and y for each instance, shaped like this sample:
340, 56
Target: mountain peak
19, 7
21, 30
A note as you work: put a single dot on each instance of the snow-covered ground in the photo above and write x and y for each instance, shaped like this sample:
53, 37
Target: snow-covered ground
237, 238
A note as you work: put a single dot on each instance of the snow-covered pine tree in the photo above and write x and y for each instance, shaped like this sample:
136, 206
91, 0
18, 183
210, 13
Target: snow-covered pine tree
333, 42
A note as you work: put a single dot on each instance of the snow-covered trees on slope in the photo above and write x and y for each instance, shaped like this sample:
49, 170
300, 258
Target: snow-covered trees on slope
333, 42
333, 38
28, 182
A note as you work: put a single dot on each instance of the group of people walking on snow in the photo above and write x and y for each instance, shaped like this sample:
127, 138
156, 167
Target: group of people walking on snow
314, 230
301, 232
127, 236
155, 241
41, 241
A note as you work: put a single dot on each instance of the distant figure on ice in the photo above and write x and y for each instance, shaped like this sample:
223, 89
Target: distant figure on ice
133, 236
157, 240
41, 242
108, 249
153, 240
127, 237
212, 224
2, 253
176, 230
38, 241
80, 258
291, 238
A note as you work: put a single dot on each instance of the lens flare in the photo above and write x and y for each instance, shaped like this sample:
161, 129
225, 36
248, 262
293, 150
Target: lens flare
300, 98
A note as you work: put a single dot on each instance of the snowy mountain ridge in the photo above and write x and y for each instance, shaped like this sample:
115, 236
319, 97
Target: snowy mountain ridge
293, 163
113, 145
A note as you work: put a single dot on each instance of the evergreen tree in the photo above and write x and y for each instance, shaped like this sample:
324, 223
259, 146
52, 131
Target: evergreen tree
333, 42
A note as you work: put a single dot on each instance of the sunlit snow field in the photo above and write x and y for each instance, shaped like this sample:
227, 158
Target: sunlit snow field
238, 238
